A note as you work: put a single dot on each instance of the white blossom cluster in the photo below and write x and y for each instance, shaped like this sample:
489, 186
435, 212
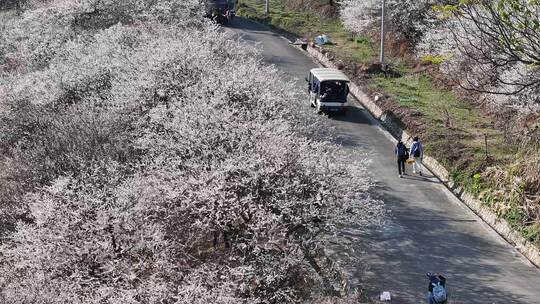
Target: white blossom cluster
407, 17
477, 57
150, 158
359, 15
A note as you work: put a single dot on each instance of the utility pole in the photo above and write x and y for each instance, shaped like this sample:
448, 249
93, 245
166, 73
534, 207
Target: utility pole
383, 13
267, 7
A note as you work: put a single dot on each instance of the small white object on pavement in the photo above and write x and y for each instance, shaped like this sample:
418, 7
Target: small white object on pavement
385, 296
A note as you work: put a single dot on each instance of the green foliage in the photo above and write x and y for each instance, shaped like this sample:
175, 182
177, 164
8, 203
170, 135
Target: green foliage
532, 233
445, 11
434, 59
364, 40
418, 92
363, 51
472, 183
514, 215
477, 183
506, 203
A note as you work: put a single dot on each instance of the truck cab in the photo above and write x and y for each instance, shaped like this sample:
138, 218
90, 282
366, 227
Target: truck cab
328, 90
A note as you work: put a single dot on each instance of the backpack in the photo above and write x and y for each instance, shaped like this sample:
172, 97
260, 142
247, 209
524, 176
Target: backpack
416, 149
439, 293
402, 150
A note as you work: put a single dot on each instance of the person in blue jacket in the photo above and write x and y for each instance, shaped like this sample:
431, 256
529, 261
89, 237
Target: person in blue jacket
417, 152
437, 289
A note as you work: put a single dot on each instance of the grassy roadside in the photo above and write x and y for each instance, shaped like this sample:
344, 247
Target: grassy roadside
308, 23
456, 133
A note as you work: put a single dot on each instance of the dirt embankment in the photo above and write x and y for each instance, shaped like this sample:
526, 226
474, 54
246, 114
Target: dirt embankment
325, 8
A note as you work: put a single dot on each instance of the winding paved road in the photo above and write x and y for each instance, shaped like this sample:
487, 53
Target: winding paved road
428, 229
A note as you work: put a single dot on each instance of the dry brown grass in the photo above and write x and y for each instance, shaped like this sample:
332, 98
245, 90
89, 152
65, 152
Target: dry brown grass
325, 8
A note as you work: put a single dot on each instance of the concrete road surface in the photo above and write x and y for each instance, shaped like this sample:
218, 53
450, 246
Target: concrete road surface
428, 229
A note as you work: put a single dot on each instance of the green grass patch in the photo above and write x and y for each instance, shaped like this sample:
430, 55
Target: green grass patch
447, 118
434, 59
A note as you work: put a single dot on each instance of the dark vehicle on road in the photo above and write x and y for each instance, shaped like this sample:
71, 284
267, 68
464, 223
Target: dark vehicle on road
221, 11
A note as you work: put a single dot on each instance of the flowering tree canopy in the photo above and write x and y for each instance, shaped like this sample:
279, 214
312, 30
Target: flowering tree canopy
407, 17
358, 16
500, 41
147, 160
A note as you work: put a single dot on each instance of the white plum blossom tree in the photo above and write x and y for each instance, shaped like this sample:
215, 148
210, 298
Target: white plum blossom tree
147, 160
491, 47
407, 17
358, 16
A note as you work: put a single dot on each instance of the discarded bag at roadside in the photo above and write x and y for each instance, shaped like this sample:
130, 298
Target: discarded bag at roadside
322, 40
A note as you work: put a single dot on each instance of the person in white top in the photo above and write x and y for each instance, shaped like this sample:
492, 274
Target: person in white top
417, 152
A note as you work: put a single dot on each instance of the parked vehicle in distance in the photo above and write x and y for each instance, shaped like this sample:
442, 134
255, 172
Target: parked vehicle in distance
221, 11
328, 90
232, 8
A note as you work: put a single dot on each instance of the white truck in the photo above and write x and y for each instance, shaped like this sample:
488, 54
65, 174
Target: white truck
328, 90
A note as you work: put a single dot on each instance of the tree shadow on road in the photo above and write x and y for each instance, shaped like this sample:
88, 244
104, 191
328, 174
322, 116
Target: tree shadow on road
424, 178
354, 115
437, 238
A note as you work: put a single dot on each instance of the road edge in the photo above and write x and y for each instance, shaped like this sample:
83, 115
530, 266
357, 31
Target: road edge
500, 226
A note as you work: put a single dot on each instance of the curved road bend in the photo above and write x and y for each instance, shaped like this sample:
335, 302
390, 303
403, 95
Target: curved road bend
428, 229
